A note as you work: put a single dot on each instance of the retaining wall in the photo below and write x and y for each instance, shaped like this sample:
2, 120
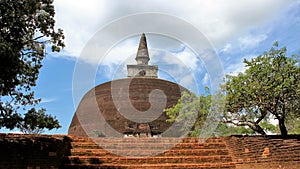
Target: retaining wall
271, 152
18, 151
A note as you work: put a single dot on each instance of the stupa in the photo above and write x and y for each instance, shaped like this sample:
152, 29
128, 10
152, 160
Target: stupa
132, 106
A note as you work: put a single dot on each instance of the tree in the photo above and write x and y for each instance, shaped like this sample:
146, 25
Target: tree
35, 121
240, 111
224, 129
26, 29
269, 86
293, 124
192, 112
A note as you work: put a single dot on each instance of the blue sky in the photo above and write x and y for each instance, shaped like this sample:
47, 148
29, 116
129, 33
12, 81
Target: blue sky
234, 30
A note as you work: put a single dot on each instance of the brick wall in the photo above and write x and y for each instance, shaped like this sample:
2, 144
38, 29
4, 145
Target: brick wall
272, 152
32, 151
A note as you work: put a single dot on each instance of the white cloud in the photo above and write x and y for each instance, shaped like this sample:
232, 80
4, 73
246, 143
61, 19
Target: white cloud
174, 63
47, 100
249, 41
79, 20
189, 82
124, 52
226, 48
188, 58
237, 67
205, 80
178, 67
219, 20
121, 52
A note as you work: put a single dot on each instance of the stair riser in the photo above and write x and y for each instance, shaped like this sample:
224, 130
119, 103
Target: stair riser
175, 166
148, 153
124, 140
150, 146
114, 160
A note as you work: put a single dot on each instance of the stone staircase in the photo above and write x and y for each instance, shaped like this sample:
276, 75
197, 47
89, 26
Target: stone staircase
64, 151
148, 153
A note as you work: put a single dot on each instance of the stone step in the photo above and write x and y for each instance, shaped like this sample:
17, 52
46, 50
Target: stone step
150, 160
149, 153
270, 165
227, 165
145, 146
147, 140
278, 158
178, 152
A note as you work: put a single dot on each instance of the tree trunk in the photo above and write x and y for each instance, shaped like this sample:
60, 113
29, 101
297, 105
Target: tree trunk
258, 129
261, 131
282, 127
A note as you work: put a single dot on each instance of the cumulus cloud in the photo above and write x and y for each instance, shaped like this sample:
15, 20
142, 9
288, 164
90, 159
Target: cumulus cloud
79, 20
238, 66
219, 20
114, 62
189, 82
121, 52
188, 58
205, 80
249, 41
235, 68
178, 66
226, 48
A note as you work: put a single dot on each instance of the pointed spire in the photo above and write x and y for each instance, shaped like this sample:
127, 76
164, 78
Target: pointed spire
142, 56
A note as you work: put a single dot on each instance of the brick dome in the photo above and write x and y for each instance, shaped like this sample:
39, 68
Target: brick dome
102, 110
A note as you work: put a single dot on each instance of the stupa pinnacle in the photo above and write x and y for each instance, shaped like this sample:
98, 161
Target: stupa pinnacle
142, 56
142, 69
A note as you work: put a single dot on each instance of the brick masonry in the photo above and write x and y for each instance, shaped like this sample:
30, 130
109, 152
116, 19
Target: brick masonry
64, 151
23, 151
98, 111
272, 152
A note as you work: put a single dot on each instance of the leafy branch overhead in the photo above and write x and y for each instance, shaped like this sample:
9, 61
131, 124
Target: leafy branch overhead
27, 28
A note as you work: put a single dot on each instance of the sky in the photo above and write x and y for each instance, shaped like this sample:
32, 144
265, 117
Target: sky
194, 43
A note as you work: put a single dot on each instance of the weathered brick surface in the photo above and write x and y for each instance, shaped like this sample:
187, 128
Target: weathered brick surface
272, 152
22, 151
149, 153
99, 110
62, 151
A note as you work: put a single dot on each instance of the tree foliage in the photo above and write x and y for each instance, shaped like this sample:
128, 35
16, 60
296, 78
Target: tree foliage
185, 112
26, 29
192, 112
35, 121
293, 124
224, 129
268, 87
